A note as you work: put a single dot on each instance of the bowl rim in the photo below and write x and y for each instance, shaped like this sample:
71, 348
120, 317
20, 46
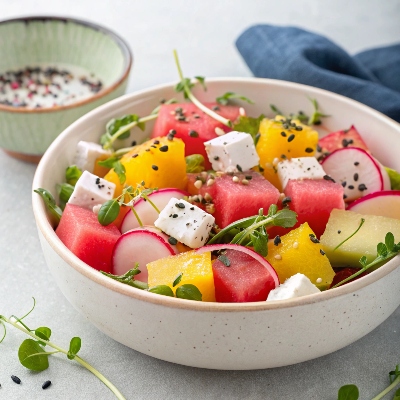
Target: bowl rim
121, 43
55, 243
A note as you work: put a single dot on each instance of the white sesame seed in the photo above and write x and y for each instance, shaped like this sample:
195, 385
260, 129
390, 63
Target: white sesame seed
210, 182
275, 161
207, 197
281, 196
96, 208
278, 257
245, 182
219, 131
210, 208
220, 173
204, 174
200, 197
242, 111
319, 280
295, 245
198, 184
235, 179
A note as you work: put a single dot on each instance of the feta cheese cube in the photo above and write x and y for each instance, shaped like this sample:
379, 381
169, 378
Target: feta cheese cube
299, 169
296, 286
90, 190
232, 152
185, 222
87, 153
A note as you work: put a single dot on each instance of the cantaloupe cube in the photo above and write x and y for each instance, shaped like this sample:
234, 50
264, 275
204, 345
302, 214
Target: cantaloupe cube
300, 252
277, 142
196, 269
159, 162
342, 224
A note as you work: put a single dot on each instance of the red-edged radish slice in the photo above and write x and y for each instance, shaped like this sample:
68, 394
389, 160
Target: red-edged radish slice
141, 245
246, 250
357, 171
146, 211
385, 203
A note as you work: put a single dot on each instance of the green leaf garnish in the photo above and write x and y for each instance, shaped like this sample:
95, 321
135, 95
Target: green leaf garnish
177, 280
32, 355
119, 169
194, 163
249, 125
394, 177
189, 292
224, 99
260, 242
72, 174
108, 212
50, 203
64, 193
316, 116
128, 278
74, 347
345, 240
162, 290
202, 81
275, 109
348, 392
44, 333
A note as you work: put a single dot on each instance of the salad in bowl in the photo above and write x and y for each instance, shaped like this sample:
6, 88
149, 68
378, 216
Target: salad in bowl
199, 225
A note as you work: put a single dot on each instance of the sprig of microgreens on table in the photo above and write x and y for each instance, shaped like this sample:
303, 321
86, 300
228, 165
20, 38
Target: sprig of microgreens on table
351, 392
186, 291
252, 231
32, 353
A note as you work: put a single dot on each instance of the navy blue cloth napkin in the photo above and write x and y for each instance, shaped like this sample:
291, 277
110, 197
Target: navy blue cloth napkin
292, 54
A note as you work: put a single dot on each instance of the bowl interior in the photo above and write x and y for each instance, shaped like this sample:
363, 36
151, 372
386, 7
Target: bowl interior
43, 40
380, 133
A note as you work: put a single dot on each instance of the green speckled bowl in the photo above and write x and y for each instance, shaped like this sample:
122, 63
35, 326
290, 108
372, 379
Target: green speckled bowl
26, 133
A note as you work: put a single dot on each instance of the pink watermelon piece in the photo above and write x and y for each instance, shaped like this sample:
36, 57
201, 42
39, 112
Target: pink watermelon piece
81, 232
195, 120
313, 201
245, 280
338, 140
234, 200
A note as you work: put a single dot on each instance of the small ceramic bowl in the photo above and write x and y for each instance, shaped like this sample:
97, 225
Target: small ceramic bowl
26, 42
220, 335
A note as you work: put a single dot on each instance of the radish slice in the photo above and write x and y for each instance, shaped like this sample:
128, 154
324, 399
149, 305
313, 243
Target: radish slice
385, 203
357, 171
141, 245
146, 211
246, 250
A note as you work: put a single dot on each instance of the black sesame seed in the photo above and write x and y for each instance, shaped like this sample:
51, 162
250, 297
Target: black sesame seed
154, 167
322, 252
286, 126
133, 143
344, 197
339, 231
286, 200
16, 379
309, 150
344, 183
163, 149
156, 142
277, 240
347, 142
328, 178
249, 177
135, 155
46, 385
356, 163
97, 181
299, 128
172, 240
192, 208
283, 134
355, 177
239, 168
174, 215
154, 147
313, 238
290, 138
180, 205
193, 134
283, 156
261, 168
362, 187
351, 187
319, 148
216, 158
215, 108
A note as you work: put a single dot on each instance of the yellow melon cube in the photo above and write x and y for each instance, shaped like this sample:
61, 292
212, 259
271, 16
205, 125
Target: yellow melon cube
196, 269
300, 252
278, 143
159, 162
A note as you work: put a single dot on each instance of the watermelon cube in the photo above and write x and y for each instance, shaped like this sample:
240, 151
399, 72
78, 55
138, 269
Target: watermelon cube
192, 125
245, 280
313, 201
233, 199
81, 232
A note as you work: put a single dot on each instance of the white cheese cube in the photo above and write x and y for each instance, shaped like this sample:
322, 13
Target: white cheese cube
296, 286
87, 153
185, 222
232, 152
299, 169
90, 190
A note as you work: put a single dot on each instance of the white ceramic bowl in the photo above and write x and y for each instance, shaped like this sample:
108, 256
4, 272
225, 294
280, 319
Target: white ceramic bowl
216, 335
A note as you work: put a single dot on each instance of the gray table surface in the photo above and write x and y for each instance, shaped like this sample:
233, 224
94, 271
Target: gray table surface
204, 32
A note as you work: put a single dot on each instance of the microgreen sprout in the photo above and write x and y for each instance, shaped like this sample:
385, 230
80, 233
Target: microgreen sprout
385, 251
249, 125
32, 353
224, 99
252, 231
185, 85
345, 240
109, 210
